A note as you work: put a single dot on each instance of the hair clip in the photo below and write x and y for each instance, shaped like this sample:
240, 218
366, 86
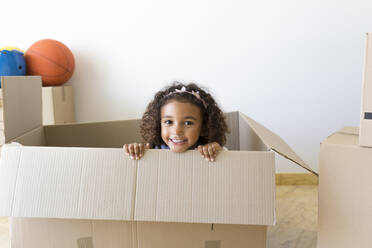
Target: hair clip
194, 93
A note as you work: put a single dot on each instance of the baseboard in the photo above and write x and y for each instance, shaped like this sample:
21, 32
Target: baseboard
296, 179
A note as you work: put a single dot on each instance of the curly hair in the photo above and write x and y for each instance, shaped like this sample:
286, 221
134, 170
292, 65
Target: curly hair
214, 127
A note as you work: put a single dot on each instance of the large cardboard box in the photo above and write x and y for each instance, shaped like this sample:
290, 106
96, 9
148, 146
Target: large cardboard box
345, 187
71, 185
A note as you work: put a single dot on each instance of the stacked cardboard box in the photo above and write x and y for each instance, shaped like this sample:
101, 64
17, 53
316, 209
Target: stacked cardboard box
345, 187
345, 182
58, 105
71, 185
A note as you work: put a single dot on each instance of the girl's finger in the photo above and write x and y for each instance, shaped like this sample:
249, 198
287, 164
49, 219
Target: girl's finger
131, 151
125, 147
147, 145
136, 150
206, 152
141, 149
216, 146
211, 153
214, 151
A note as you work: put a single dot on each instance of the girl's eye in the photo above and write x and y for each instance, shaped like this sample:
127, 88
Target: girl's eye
188, 123
168, 122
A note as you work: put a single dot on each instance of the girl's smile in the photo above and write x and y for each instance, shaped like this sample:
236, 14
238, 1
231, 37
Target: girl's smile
181, 124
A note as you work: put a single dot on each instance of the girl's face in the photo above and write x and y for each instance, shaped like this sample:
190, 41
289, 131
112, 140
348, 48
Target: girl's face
181, 124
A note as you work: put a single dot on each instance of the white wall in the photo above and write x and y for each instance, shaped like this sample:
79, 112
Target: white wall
294, 66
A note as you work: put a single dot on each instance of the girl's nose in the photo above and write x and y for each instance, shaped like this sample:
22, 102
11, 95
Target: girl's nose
178, 129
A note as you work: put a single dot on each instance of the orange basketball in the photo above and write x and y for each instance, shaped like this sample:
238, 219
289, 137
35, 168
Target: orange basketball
52, 60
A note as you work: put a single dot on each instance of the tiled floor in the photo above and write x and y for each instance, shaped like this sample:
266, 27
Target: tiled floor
297, 211
296, 219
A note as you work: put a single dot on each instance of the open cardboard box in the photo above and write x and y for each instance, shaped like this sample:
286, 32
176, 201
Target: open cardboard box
71, 185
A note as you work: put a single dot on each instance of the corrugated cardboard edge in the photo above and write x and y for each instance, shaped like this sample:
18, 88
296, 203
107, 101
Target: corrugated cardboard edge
276, 143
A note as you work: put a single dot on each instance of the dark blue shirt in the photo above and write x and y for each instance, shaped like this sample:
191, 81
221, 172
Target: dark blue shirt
162, 146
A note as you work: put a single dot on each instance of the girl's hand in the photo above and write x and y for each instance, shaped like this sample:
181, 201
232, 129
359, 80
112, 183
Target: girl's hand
209, 151
135, 150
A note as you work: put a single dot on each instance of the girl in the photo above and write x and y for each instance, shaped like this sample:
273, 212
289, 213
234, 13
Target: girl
182, 117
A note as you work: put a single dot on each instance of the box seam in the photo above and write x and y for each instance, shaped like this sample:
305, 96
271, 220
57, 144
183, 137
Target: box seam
134, 194
16, 181
80, 189
157, 189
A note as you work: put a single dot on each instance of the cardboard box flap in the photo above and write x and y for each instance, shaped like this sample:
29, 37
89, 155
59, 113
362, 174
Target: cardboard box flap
350, 130
73, 183
236, 189
347, 136
94, 134
276, 143
22, 105
103, 183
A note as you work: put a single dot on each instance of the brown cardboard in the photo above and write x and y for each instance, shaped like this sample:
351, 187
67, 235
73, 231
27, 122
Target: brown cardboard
91, 183
93, 134
365, 134
58, 105
118, 234
215, 193
276, 143
21, 105
345, 186
79, 171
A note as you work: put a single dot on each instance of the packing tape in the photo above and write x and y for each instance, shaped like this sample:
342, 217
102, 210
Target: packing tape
85, 242
212, 244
